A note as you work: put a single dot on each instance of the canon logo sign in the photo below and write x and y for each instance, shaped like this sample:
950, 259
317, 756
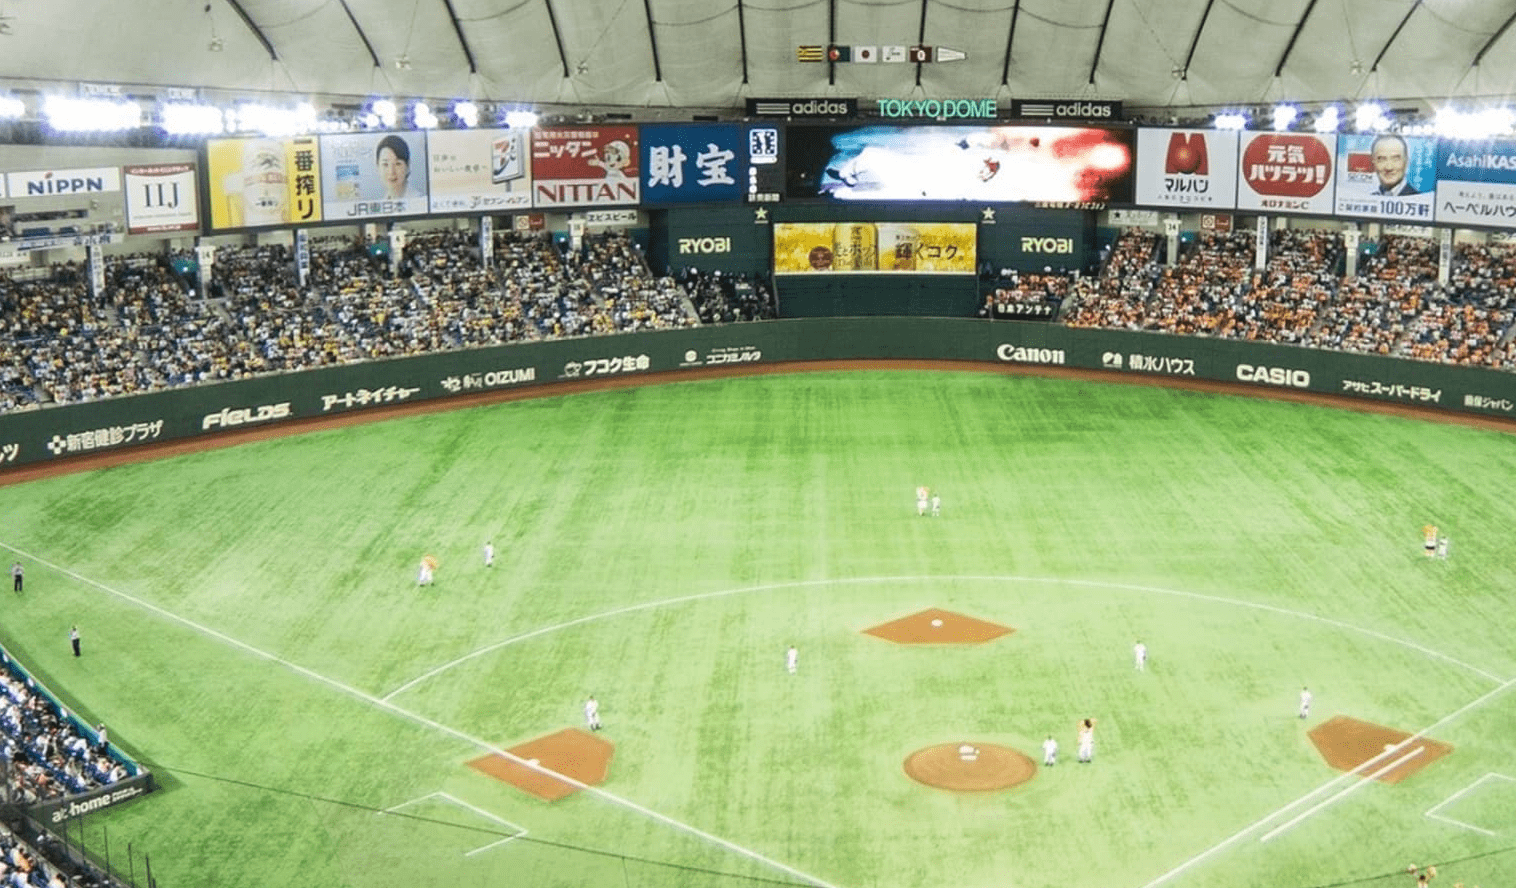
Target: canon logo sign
690, 245
1058, 245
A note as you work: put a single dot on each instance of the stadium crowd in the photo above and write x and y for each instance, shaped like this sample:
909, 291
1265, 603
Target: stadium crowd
151, 329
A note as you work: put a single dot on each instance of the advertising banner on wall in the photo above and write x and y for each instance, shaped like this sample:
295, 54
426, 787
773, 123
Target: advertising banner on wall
911, 247
371, 175
585, 166
61, 183
699, 163
1386, 176
260, 183
161, 198
1187, 168
1476, 183
993, 164
478, 170
1286, 172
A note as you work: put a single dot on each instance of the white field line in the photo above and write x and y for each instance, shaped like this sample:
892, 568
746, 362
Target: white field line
1432, 811
406, 804
770, 587
391, 708
1289, 824
1248, 830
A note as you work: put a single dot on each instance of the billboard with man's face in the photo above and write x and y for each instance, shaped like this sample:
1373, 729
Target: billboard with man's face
1386, 176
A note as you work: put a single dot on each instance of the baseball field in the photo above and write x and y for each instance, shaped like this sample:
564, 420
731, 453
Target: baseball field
253, 631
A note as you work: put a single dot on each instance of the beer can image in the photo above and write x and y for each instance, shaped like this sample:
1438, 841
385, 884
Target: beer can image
855, 247
505, 159
899, 245
349, 181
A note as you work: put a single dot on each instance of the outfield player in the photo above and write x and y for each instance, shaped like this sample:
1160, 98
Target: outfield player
792, 660
936, 506
592, 713
489, 554
1087, 741
1305, 702
1050, 751
922, 493
1429, 539
1140, 654
1442, 547
16, 576
424, 575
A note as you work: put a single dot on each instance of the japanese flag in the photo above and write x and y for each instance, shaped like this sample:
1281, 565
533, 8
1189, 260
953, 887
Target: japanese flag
865, 54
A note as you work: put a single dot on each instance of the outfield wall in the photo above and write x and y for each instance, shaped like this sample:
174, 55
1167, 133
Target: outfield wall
60, 432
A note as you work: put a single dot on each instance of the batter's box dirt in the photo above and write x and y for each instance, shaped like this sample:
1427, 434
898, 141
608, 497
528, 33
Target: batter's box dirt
1345, 743
936, 626
571, 752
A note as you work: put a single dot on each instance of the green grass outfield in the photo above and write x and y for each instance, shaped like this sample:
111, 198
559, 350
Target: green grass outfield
253, 631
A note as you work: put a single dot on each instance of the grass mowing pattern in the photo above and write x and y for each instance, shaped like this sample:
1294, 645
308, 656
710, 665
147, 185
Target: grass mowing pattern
800, 488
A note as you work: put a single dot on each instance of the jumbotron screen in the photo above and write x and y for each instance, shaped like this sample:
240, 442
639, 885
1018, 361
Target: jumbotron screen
991, 164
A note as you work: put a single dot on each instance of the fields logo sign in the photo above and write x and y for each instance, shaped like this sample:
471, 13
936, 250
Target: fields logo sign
228, 417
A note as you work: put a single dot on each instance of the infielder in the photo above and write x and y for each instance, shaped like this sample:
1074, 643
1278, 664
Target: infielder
1305, 702
592, 713
1050, 751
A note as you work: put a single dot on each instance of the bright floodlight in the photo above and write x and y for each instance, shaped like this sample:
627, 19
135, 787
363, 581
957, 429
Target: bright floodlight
186, 119
466, 112
90, 115
385, 110
1328, 120
11, 108
1369, 117
1231, 121
1284, 115
521, 119
422, 116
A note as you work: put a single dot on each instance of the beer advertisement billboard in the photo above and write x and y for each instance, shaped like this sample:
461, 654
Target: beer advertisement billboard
1187, 168
992, 164
699, 163
373, 175
1476, 183
1386, 176
873, 247
161, 198
481, 171
1286, 172
585, 166
263, 182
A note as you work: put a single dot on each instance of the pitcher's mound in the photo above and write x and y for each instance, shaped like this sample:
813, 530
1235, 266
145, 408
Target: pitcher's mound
570, 752
969, 767
1345, 743
937, 626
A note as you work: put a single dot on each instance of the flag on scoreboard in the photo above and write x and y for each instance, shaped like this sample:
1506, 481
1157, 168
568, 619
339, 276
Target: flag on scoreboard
810, 53
892, 54
838, 53
866, 54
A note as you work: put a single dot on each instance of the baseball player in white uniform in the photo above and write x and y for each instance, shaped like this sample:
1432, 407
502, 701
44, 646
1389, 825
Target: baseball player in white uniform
792, 660
921, 496
489, 554
592, 713
1305, 702
1140, 655
1087, 740
1050, 751
936, 506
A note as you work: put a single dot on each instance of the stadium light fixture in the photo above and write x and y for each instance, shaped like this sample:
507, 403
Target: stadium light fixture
271, 121
91, 115
1231, 120
385, 110
1370, 117
1454, 124
521, 119
1328, 119
422, 116
466, 112
12, 108
189, 119
1284, 117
